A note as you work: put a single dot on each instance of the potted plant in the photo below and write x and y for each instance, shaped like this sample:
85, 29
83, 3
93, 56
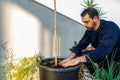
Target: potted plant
50, 69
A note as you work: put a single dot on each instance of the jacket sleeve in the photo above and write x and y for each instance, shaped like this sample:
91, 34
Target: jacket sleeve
109, 38
83, 43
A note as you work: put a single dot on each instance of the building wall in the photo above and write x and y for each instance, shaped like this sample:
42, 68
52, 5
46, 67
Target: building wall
27, 27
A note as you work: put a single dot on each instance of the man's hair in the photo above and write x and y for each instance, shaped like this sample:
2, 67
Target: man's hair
91, 12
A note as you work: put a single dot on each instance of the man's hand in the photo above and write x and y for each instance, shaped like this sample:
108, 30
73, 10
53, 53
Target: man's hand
64, 61
73, 62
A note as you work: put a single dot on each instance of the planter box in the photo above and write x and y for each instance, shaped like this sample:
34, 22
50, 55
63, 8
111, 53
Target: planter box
47, 73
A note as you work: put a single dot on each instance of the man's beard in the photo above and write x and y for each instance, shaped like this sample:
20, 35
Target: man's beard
93, 26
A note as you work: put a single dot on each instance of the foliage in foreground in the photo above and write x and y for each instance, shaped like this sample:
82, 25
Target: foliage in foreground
25, 69
103, 74
12, 69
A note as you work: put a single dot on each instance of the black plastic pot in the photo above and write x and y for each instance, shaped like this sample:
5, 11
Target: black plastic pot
47, 73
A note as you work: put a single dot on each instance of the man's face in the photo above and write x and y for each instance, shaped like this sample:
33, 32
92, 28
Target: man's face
89, 23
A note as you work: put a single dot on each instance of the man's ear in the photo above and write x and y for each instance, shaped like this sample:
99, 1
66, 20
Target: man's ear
95, 18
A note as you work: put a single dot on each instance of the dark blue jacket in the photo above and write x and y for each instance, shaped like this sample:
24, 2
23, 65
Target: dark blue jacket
105, 40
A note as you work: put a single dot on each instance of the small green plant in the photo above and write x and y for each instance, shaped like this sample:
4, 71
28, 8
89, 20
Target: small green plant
74, 45
89, 3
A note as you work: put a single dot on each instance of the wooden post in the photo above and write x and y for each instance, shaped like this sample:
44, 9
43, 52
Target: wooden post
55, 35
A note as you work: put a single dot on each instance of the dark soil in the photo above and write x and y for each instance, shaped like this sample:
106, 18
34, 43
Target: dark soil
51, 63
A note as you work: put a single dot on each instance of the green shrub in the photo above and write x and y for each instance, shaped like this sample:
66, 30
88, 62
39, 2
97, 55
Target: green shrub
103, 74
25, 69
